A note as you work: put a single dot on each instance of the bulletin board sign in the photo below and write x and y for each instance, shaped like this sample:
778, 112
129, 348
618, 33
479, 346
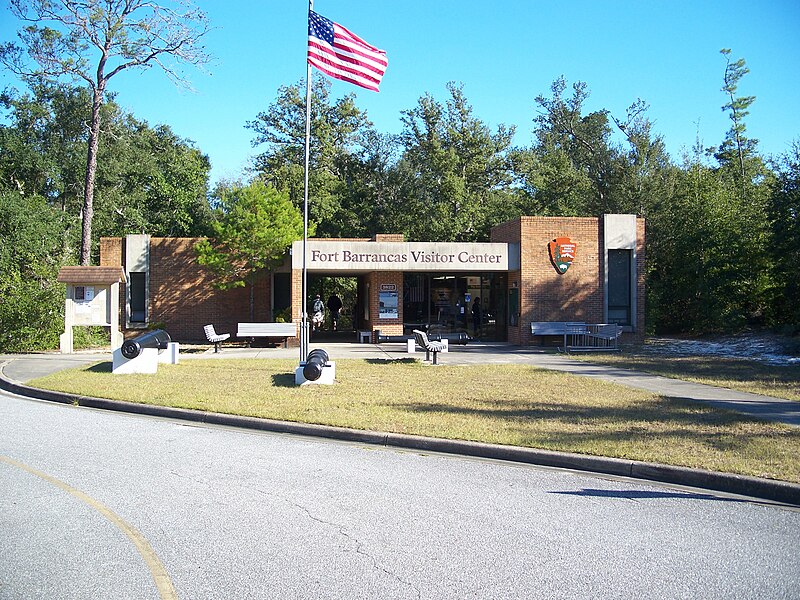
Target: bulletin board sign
387, 305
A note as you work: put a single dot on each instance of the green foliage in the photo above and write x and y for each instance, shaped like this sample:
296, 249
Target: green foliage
256, 226
150, 181
784, 247
453, 170
33, 247
722, 227
337, 128
736, 146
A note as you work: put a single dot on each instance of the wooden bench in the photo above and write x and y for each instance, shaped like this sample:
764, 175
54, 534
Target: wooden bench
250, 331
214, 337
429, 346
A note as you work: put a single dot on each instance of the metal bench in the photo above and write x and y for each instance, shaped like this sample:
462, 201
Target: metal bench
250, 331
555, 327
214, 337
559, 328
593, 337
430, 347
580, 336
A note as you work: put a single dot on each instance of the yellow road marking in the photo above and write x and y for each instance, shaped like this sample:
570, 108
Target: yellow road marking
164, 584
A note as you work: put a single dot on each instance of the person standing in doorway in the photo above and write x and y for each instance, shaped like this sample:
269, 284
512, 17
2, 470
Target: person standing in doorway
317, 313
334, 305
477, 315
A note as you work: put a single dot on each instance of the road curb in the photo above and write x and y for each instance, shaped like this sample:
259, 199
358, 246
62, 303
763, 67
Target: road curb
755, 487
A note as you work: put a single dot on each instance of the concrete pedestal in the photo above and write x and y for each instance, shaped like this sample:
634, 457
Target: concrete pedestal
146, 362
327, 378
170, 355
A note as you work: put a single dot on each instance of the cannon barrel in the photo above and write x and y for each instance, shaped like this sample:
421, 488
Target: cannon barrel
158, 338
316, 361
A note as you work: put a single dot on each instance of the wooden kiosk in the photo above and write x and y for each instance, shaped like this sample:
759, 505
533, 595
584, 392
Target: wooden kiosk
92, 300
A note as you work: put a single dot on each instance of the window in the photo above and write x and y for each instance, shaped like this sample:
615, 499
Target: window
619, 287
138, 297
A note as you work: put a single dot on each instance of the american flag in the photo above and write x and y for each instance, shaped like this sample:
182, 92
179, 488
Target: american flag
343, 55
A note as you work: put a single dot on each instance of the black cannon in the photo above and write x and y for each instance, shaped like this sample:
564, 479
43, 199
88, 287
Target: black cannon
316, 361
158, 338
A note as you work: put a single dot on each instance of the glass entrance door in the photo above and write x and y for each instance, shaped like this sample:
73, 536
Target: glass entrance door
474, 304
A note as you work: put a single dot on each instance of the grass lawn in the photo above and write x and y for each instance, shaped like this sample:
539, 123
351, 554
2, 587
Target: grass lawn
733, 373
503, 404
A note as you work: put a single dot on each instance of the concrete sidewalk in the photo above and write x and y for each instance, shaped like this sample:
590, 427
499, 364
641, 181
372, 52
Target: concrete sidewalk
25, 367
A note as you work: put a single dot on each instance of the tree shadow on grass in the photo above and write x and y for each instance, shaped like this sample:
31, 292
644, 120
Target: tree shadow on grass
390, 361
664, 418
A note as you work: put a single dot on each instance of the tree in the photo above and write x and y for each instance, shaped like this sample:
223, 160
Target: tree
94, 40
784, 247
148, 179
151, 181
32, 249
736, 144
257, 224
44, 144
337, 130
454, 170
576, 148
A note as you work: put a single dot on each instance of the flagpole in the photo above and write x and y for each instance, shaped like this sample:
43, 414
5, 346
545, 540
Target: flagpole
304, 333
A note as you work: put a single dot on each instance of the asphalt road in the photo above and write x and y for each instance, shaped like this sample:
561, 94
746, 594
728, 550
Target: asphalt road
105, 505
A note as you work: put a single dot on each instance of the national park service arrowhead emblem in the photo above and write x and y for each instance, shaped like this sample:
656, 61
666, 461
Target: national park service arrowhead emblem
562, 253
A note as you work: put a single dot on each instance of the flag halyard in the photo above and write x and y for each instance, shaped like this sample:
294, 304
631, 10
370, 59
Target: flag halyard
341, 54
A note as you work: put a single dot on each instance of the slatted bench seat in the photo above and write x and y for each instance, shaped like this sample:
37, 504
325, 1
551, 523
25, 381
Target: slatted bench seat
250, 331
599, 336
214, 337
430, 347
556, 327
560, 328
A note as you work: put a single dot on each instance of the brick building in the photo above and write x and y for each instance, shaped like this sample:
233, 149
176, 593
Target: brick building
587, 269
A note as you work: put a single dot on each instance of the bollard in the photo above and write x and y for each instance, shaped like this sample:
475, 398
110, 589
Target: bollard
158, 338
316, 361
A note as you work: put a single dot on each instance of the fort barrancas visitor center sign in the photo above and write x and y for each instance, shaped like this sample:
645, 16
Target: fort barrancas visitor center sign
400, 256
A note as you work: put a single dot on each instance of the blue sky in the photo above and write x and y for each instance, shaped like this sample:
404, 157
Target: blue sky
504, 52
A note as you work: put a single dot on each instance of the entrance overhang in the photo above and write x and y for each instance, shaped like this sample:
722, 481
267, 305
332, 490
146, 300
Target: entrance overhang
361, 257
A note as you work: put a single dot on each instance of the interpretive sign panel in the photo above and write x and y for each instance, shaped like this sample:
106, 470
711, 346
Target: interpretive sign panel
387, 305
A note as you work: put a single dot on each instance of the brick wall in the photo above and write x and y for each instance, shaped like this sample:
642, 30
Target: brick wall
577, 295
375, 280
182, 296
111, 256
546, 294
110, 251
